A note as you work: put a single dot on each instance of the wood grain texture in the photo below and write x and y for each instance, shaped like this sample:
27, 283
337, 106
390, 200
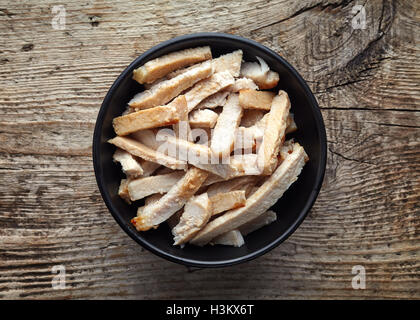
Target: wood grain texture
52, 83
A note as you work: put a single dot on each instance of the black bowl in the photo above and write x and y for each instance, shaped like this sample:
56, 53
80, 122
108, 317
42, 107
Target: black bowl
291, 209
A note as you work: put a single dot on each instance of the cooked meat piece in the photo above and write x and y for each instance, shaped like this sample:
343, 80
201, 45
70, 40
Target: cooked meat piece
207, 87
211, 179
253, 99
251, 117
160, 67
182, 129
257, 223
166, 90
225, 201
215, 100
225, 186
260, 73
151, 118
201, 157
230, 238
261, 121
152, 215
197, 212
147, 137
148, 167
270, 81
140, 150
259, 202
246, 163
274, 133
123, 190
130, 166
203, 118
243, 84
227, 123
187, 151
143, 187
152, 198
229, 62
246, 139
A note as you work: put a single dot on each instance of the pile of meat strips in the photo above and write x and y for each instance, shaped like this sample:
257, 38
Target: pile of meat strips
204, 146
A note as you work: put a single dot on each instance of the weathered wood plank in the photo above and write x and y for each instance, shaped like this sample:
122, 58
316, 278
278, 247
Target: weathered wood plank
52, 83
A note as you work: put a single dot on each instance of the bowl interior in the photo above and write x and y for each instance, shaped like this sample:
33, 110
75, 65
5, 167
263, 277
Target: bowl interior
291, 208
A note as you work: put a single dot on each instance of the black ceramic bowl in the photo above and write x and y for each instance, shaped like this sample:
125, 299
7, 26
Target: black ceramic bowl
291, 209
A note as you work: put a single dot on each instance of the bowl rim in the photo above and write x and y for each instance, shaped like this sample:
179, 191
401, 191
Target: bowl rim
225, 262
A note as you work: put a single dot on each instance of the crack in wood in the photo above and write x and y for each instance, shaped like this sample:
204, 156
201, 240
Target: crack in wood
319, 5
350, 159
396, 125
339, 85
368, 109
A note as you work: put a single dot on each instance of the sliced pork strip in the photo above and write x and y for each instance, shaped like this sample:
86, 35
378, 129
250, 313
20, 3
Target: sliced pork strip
226, 201
203, 118
151, 118
152, 198
253, 99
147, 137
243, 84
166, 90
246, 163
143, 187
160, 67
230, 62
274, 133
215, 100
251, 132
231, 238
140, 150
197, 212
257, 223
224, 132
130, 166
148, 167
260, 73
207, 87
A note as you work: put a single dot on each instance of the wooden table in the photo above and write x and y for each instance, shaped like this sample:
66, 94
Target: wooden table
52, 83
